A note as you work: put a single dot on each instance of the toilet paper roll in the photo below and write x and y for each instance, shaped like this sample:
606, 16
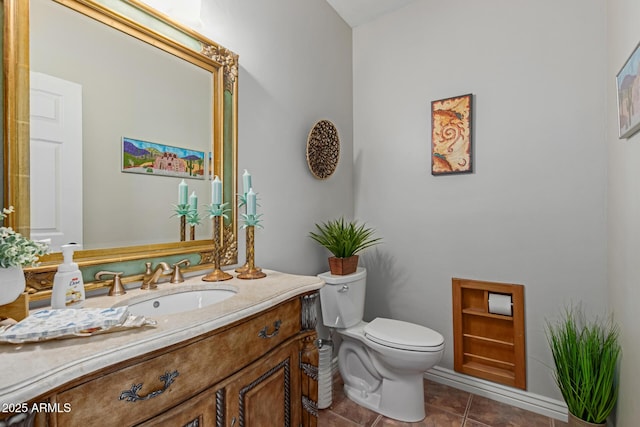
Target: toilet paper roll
500, 304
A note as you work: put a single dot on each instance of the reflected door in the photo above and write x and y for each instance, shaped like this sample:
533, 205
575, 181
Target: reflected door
56, 160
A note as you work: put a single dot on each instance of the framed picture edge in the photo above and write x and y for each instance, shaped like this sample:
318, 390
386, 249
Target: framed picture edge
634, 128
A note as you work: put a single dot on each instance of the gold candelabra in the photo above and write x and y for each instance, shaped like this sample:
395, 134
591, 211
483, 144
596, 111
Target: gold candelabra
249, 253
251, 272
183, 226
217, 275
244, 267
181, 211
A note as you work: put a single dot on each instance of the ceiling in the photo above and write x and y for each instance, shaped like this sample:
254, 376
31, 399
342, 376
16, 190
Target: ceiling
357, 12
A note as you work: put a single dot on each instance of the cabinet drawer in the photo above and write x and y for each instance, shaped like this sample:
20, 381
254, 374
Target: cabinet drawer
199, 411
141, 390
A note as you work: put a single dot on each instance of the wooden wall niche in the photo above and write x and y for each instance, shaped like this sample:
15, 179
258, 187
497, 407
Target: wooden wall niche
486, 345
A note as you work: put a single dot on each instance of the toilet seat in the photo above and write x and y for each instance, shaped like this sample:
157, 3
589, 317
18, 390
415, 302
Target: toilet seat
403, 335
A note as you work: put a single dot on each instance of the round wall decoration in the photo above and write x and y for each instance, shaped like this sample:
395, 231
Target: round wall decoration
323, 149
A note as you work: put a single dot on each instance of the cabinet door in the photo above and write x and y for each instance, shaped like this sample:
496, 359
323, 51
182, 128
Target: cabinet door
267, 392
203, 410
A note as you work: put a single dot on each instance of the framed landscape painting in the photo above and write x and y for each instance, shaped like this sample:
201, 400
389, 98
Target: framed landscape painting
151, 158
628, 84
451, 135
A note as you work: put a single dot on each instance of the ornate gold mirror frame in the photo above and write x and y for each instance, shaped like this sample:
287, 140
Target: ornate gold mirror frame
140, 21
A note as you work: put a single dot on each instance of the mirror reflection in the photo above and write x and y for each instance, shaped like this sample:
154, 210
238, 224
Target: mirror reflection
185, 97
2, 109
92, 86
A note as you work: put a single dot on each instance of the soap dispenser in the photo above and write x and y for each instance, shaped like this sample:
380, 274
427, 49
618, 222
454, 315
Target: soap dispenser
68, 286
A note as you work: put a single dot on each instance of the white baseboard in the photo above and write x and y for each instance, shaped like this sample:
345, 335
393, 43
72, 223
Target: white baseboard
519, 398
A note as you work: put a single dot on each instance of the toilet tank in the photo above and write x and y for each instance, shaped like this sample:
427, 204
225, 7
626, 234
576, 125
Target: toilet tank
342, 298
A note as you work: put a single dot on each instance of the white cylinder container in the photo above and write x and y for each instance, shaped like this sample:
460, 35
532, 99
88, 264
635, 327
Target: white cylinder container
325, 375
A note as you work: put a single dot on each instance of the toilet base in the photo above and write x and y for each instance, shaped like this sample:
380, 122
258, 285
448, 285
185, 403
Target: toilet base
403, 401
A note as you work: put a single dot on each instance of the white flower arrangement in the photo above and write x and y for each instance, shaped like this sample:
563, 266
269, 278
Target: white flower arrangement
15, 249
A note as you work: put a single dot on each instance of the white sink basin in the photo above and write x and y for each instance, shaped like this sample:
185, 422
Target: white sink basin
177, 301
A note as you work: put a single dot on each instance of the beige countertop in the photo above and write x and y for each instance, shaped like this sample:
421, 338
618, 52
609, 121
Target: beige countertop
31, 369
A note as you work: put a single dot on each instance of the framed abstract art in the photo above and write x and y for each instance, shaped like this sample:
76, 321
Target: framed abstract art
451, 135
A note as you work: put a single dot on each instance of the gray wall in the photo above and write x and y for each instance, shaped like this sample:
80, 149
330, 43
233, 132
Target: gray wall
533, 212
623, 35
295, 69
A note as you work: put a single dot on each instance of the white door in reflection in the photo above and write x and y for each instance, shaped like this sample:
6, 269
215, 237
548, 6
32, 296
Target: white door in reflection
56, 160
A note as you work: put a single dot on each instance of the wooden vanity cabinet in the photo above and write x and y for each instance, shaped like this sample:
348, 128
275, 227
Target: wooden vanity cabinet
263, 394
260, 371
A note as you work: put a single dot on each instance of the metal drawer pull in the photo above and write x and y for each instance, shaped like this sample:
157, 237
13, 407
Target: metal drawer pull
263, 332
132, 395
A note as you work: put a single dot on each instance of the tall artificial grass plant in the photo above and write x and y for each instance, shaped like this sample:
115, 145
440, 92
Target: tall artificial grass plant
585, 354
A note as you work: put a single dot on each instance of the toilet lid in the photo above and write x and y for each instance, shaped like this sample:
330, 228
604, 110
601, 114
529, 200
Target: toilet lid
403, 335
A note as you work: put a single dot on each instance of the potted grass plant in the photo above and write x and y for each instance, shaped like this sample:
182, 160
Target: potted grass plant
344, 239
585, 354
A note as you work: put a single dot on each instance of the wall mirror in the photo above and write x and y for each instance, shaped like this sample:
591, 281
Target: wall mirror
137, 75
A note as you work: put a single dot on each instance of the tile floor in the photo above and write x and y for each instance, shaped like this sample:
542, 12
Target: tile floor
445, 407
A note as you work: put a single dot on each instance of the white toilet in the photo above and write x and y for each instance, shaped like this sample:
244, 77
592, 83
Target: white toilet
381, 362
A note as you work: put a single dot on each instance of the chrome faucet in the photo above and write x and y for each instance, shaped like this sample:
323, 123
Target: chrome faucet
151, 277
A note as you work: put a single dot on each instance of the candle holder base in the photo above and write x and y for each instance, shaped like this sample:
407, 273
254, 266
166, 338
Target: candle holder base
252, 273
245, 268
217, 275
